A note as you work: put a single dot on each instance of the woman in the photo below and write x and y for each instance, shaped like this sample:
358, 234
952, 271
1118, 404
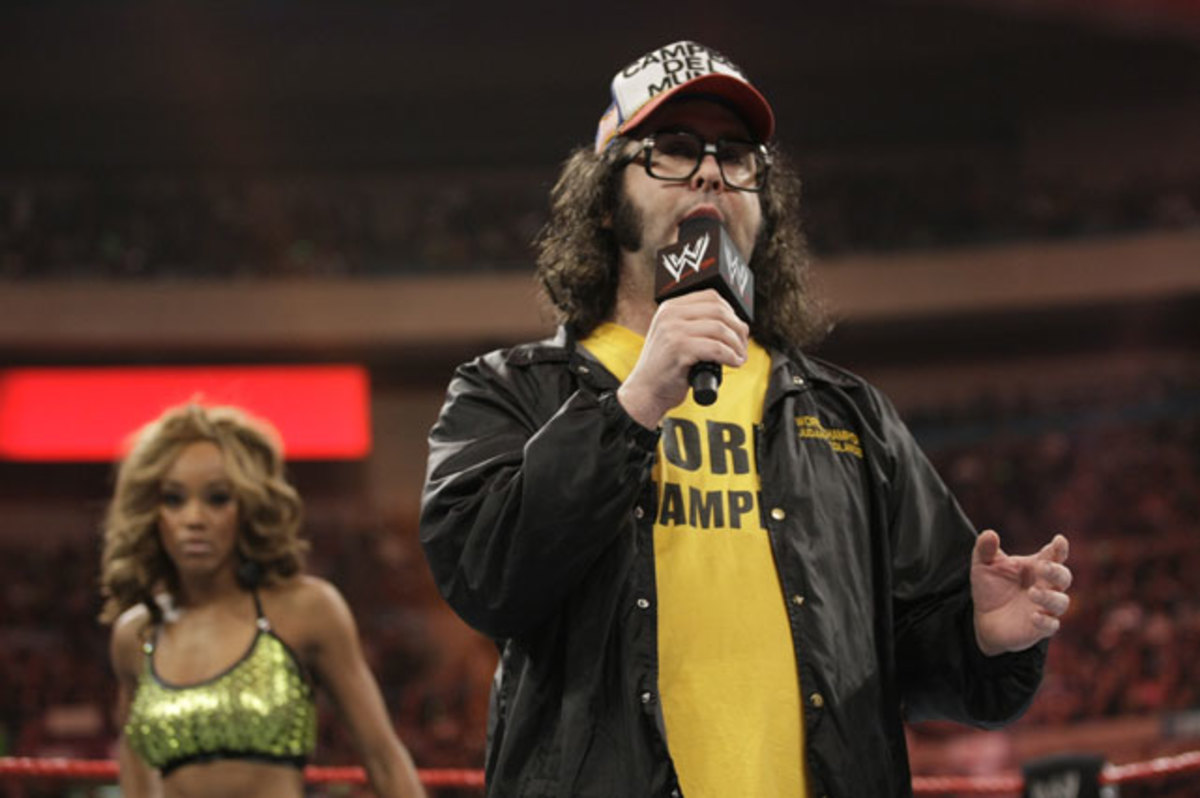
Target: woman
218, 636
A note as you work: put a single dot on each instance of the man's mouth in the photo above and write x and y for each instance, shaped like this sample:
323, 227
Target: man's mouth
705, 211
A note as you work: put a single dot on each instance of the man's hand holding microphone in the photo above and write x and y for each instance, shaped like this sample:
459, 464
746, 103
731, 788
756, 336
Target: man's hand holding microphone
705, 292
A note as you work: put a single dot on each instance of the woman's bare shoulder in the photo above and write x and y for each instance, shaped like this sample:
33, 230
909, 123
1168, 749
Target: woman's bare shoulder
303, 593
130, 632
308, 607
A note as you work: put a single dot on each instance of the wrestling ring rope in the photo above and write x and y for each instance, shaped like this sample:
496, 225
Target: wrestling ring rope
101, 770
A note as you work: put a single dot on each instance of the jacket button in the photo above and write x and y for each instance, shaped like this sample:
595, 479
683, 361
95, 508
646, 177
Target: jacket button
797, 380
675, 793
817, 700
582, 369
638, 512
778, 513
647, 697
798, 600
643, 604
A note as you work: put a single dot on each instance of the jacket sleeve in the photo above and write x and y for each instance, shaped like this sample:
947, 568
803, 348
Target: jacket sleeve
940, 669
525, 490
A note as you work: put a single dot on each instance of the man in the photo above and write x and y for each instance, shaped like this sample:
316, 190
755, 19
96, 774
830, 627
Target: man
741, 599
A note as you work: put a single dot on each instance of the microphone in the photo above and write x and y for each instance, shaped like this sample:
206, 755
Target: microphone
705, 257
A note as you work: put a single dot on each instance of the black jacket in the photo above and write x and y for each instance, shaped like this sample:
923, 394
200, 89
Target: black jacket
537, 523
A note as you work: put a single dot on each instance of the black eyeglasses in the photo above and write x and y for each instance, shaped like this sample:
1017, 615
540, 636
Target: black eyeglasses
677, 155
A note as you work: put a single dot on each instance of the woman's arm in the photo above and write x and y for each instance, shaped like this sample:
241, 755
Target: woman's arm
335, 655
136, 778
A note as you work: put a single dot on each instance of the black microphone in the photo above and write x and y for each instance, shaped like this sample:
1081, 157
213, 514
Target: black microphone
705, 257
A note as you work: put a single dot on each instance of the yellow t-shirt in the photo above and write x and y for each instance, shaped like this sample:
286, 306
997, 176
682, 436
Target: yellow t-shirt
727, 670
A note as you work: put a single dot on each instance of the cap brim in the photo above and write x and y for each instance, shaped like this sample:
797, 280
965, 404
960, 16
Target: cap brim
742, 97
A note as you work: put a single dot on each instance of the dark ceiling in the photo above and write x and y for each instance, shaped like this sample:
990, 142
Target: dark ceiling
307, 85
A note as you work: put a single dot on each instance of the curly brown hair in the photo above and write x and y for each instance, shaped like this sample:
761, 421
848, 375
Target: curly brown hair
135, 566
578, 250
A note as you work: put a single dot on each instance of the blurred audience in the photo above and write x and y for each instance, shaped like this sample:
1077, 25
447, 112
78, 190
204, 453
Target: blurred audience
142, 226
1120, 471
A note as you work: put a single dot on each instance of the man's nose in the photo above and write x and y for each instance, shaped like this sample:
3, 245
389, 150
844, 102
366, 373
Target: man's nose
708, 175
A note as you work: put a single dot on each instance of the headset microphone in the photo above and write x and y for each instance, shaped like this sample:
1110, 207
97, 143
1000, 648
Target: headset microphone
705, 257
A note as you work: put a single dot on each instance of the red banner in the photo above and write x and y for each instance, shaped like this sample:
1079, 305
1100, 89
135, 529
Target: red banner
88, 414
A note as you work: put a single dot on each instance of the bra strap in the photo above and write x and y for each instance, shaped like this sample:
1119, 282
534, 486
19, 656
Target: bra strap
260, 618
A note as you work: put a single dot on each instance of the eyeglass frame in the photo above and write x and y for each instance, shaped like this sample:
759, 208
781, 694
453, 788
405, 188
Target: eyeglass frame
646, 144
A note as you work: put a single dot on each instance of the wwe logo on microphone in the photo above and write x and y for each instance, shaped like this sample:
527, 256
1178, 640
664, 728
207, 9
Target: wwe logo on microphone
739, 272
690, 257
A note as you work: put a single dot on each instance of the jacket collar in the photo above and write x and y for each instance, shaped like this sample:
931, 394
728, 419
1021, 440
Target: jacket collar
556, 348
793, 372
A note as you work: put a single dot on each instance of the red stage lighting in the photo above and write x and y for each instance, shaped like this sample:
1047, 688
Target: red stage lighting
88, 414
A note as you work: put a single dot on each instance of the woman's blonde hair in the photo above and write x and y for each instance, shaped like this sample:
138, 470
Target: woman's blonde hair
135, 566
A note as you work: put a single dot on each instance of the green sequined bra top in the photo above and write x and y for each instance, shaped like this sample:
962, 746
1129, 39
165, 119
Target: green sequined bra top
261, 707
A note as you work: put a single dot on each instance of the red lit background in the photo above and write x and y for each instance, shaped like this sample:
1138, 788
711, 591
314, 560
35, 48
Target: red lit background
88, 414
